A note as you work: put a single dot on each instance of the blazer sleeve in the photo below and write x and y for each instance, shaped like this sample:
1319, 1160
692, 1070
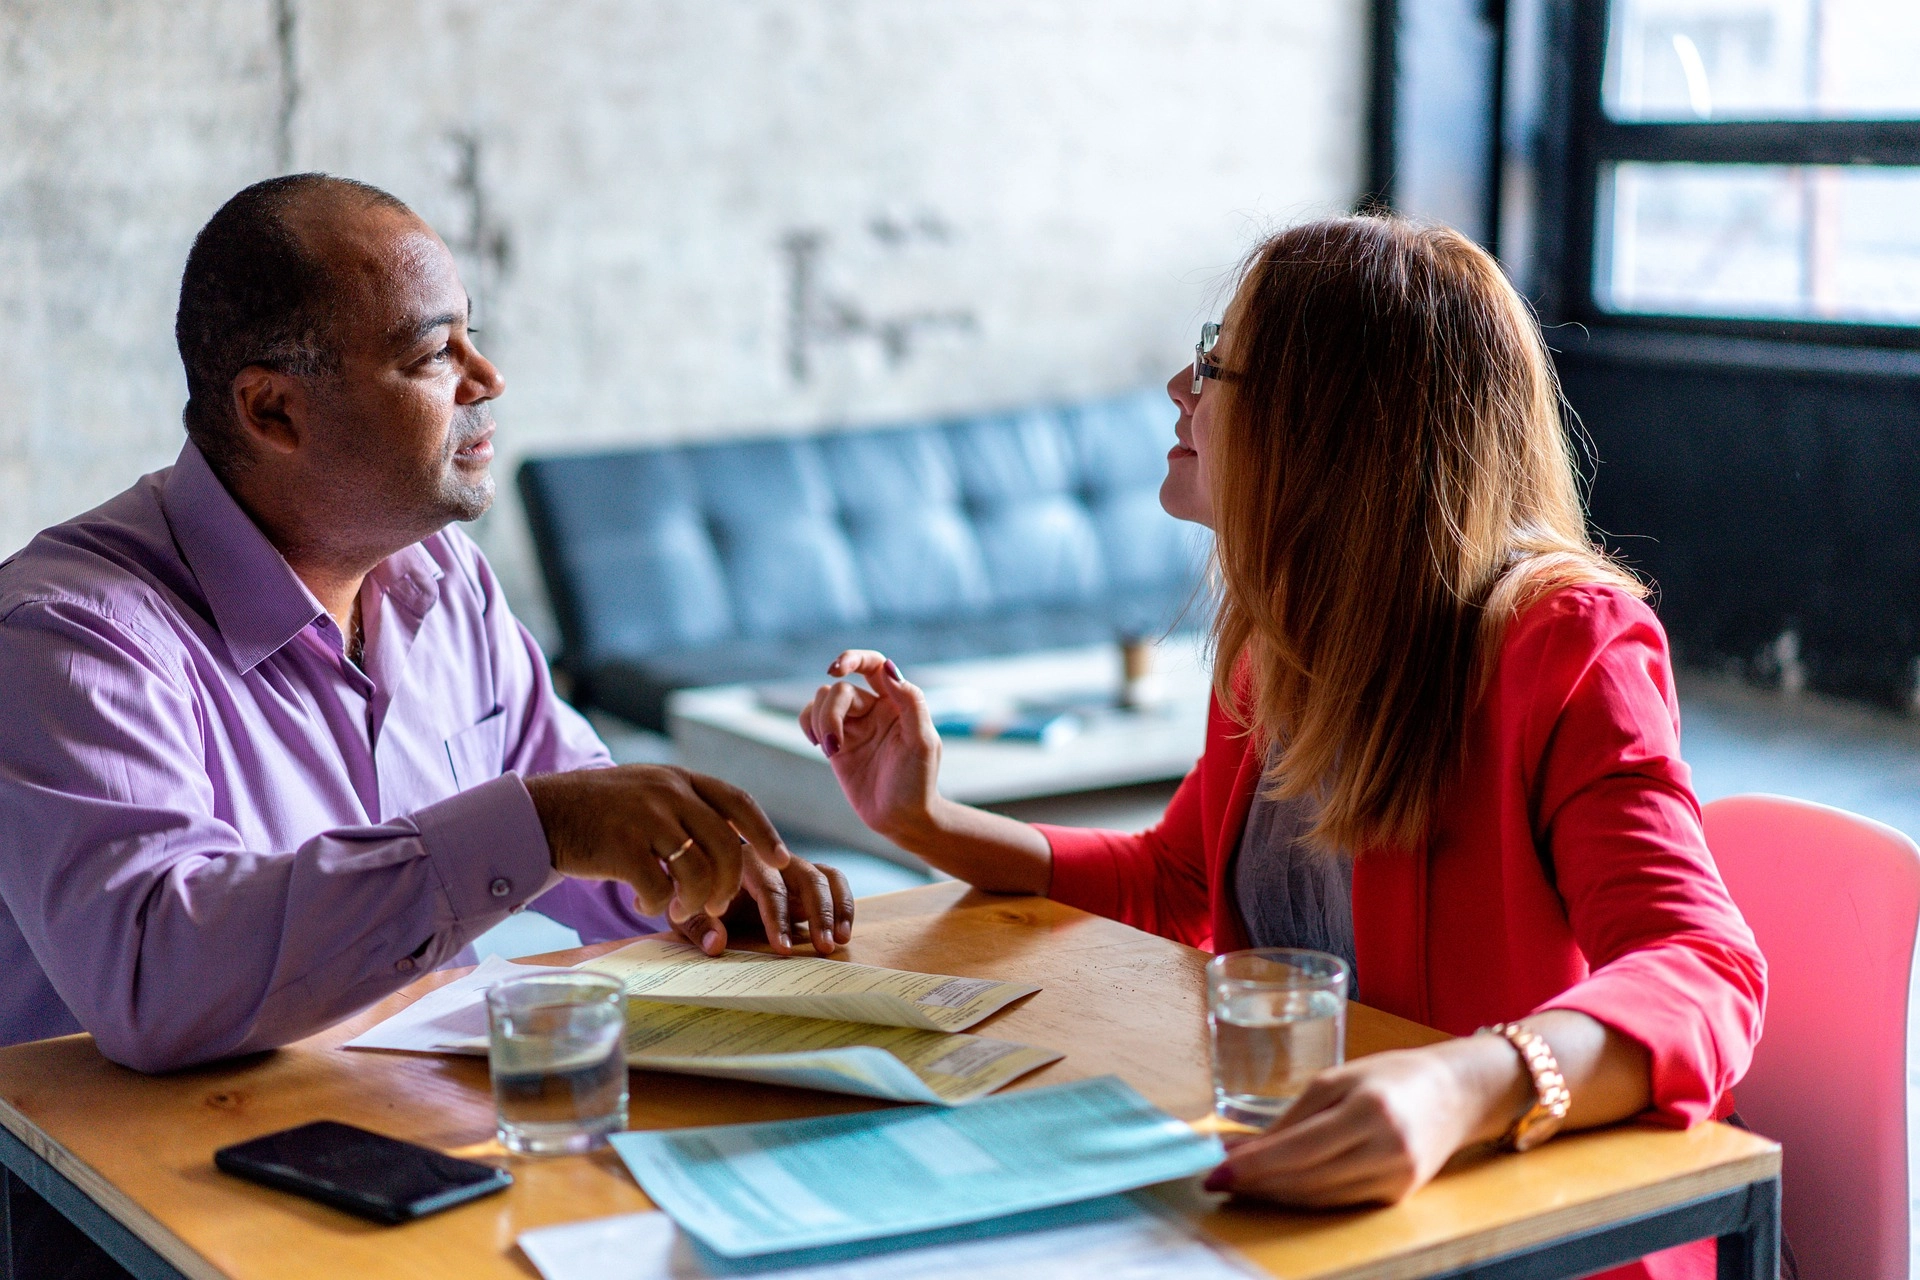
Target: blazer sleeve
1156, 880
1673, 963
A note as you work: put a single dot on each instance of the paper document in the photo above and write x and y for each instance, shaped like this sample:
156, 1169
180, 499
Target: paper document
899, 1064
449, 1019
673, 972
1111, 1239
752, 1189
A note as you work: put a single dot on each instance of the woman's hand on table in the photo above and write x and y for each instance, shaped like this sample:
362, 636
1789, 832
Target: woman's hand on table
1377, 1129
1371, 1131
777, 904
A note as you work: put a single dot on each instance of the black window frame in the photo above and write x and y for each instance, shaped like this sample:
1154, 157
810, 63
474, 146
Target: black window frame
1595, 140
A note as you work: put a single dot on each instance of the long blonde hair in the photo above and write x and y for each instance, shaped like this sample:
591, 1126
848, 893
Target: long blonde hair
1392, 482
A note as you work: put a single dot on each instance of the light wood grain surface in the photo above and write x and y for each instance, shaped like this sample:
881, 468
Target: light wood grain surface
1113, 999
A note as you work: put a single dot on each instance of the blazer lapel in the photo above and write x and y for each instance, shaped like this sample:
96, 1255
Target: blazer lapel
1229, 931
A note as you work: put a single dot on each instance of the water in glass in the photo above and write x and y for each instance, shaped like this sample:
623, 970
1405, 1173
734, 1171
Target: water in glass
1278, 1015
559, 1067
1268, 1044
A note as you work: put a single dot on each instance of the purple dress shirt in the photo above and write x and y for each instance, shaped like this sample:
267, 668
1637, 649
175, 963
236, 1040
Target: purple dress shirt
217, 834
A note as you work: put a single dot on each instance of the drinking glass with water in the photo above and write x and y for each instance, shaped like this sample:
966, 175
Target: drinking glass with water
1278, 1016
556, 1048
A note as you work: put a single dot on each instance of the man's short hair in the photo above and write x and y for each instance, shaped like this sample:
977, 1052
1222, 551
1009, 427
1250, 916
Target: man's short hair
254, 294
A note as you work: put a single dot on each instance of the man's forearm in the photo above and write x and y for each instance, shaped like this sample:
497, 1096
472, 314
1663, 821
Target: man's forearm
222, 950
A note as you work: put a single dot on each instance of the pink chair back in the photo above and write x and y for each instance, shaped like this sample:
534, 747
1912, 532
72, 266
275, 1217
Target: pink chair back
1834, 900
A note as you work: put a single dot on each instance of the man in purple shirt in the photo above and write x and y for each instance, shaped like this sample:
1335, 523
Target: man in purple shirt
273, 744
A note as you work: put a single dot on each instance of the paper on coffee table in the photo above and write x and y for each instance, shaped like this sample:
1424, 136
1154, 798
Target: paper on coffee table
673, 972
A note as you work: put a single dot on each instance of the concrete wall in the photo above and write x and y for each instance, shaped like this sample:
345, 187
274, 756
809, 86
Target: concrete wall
677, 217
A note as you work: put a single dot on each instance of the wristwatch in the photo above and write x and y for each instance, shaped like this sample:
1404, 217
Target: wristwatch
1551, 1099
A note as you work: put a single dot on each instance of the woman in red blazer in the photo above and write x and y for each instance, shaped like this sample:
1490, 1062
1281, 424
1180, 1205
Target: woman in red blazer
1424, 657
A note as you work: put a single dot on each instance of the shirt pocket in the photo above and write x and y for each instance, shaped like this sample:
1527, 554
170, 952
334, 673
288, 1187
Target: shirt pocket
478, 753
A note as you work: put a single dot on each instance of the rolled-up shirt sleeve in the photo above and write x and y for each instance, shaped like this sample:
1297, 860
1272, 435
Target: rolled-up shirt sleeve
169, 939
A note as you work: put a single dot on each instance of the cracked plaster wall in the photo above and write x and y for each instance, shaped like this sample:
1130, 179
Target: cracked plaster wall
1007, 201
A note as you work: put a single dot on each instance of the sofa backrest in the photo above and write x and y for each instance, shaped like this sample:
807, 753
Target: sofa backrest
657, 549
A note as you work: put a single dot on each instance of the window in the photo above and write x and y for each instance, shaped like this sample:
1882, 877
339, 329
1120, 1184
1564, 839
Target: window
1749, 165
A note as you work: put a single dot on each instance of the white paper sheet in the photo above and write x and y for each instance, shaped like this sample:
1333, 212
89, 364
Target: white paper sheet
451, 1018
1115, 1239
899, 1064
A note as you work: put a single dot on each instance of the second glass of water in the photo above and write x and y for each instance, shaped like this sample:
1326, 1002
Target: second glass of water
556, 1048
1278, 1016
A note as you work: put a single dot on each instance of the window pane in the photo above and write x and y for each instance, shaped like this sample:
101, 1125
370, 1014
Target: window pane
1769, 241
1763, 59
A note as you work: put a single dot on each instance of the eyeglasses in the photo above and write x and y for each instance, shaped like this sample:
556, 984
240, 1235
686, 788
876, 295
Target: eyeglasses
1202, 366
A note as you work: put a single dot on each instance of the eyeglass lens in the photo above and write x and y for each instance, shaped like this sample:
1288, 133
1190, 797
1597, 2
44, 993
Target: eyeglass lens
1209, 335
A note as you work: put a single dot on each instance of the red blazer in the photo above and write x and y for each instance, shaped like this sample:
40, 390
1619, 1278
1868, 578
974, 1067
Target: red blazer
1566, 869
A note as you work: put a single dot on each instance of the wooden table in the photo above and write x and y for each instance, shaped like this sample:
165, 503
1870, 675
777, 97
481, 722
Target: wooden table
129, 1157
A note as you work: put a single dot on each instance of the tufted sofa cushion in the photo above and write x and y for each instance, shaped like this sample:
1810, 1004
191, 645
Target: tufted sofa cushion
692, 565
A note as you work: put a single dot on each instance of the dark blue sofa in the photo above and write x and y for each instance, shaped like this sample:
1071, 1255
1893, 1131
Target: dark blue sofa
691, 565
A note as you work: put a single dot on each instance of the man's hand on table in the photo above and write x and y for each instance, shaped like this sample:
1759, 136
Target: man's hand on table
695, 847
776, 905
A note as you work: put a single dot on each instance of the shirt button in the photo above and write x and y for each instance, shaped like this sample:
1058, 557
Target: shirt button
501, 887
404, 964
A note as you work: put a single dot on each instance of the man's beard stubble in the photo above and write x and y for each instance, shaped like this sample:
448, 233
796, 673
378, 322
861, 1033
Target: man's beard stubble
459, 498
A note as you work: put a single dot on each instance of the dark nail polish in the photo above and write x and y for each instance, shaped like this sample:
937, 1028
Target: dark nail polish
831, 746
1221, 1179
892, 669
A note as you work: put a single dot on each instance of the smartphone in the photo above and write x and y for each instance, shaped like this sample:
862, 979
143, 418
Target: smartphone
361, 1172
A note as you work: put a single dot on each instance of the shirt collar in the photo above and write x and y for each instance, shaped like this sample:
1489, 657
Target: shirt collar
257, 600
410, 577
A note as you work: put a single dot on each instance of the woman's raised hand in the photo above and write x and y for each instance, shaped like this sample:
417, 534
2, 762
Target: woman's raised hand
884, 751
882, 744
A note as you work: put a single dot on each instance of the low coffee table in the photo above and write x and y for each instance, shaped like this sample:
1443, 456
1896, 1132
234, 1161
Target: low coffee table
749, 735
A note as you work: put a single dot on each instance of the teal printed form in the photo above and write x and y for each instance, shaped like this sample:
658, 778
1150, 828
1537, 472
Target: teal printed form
751, 1189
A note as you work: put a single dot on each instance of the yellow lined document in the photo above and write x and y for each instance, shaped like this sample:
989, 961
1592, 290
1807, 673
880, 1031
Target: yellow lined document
715, 1025
901, 1063
668, 971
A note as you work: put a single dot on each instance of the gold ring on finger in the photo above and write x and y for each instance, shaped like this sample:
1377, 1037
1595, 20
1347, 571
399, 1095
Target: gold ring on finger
681, 852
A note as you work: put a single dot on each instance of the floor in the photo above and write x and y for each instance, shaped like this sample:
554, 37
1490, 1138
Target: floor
1738, 739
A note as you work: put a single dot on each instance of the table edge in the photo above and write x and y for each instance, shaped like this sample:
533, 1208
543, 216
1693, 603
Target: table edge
129, 1213
1495, 1243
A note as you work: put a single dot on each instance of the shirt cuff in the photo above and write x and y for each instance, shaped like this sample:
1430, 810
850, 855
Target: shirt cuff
488, 848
